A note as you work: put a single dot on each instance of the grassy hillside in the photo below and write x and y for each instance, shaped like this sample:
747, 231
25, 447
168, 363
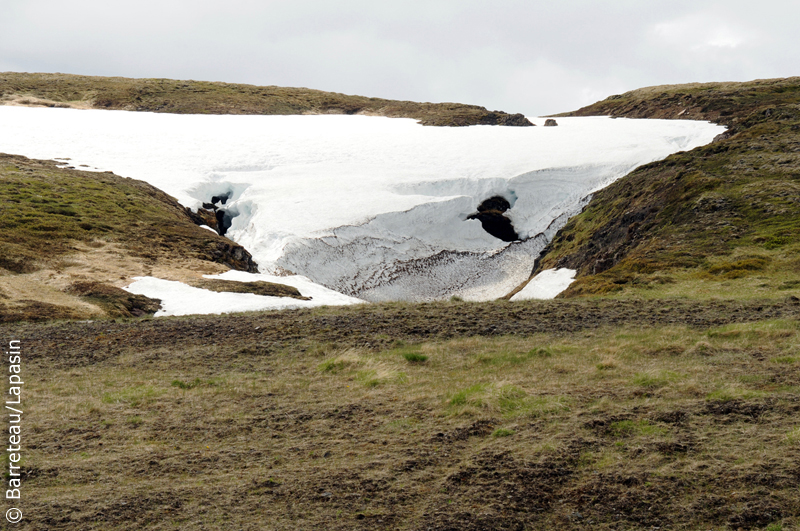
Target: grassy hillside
51, 208
203, 97
61, 229
447, 416
730, 103
719, 221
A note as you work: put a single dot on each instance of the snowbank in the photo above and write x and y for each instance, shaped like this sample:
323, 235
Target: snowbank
180, 299
372, 207
546, 285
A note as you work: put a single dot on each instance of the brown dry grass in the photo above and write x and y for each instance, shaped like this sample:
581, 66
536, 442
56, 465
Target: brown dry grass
603, 427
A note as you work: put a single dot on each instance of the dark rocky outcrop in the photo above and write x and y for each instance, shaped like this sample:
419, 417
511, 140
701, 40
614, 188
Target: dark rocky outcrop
221, 199
223, 222
204, 216
501, 118
497, 202
234, 256
212, 215
550, 123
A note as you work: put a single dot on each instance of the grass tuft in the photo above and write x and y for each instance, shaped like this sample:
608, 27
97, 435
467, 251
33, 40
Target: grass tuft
186, 385
414, 357
655, 379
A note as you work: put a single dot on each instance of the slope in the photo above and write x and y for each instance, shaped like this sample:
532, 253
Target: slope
69, 239
719, 220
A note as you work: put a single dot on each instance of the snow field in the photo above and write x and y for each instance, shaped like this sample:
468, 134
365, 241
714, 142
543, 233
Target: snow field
373, 208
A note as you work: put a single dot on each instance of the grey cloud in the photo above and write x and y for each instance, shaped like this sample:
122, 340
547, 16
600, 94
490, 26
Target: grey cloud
520, 56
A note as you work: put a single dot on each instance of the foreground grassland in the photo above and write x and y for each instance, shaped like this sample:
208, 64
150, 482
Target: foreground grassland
721, 220
551, 415
204, 97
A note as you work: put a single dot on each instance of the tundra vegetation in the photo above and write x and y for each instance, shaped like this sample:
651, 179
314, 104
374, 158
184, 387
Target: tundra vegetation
661, 391
204, 97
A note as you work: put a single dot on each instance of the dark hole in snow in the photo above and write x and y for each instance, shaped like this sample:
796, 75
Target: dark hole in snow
221, 198
490, 214
497, 202
224, 220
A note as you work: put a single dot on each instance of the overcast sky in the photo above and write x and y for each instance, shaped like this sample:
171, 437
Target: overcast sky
536, 57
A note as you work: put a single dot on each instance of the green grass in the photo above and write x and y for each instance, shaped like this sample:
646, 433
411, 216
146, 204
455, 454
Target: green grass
186, 385
727, 393
468, 395
414, 357
133, 396
411, 353
655, 380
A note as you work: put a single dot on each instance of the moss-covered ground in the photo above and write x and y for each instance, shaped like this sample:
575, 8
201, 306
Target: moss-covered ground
58, 226
46, 209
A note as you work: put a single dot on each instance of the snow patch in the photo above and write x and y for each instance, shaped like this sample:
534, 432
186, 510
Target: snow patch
546, 285
178, 298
